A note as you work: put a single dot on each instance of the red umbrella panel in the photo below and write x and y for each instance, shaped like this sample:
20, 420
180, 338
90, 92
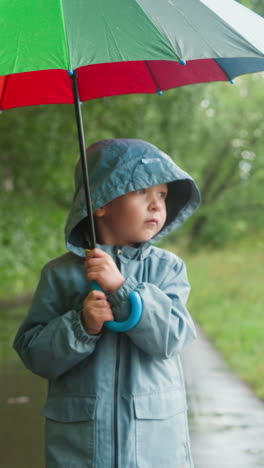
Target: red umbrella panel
108, 79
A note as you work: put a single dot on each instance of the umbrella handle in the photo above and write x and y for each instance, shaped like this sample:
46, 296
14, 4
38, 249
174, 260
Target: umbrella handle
136, 307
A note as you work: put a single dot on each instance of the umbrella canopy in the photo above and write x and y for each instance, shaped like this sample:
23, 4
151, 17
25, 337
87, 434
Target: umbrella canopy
122, 47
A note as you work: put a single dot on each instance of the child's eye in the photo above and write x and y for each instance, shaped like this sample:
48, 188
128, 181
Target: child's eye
163, 195
142, 191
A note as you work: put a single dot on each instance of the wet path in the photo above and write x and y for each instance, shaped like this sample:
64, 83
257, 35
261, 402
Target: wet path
227, 420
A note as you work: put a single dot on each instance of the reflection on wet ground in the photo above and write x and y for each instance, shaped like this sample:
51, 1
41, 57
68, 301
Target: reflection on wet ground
22, 428
21, 396
226, 420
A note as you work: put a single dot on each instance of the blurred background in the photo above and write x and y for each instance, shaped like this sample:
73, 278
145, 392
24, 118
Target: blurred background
215, 132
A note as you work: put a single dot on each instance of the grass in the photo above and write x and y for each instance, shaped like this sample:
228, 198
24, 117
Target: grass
227, 301
30, 235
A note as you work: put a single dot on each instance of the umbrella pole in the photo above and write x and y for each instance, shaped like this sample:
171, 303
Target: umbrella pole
78, 112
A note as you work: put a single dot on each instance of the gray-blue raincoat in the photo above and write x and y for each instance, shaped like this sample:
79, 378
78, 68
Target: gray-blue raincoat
116, 400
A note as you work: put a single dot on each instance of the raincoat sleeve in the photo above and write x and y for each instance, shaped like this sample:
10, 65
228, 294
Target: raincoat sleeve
51, 341
166, 326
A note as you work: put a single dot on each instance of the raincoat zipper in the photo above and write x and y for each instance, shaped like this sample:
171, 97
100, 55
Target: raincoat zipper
118, 344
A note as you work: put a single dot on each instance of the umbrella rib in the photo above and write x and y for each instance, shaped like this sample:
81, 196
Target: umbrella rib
3, 90
224, 71
152, 75
64, 29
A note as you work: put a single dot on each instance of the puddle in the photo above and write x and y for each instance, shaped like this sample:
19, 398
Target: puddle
21, 398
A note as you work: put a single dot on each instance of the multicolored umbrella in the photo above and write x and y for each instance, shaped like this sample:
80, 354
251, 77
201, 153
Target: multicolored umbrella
122, 46
65, 51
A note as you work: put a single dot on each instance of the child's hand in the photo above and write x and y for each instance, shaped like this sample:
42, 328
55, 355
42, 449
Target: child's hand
102, 268
96, 311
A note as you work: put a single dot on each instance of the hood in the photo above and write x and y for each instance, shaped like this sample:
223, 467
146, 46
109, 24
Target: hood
119, 166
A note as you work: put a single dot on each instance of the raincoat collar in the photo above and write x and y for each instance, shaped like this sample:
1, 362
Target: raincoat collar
127, 253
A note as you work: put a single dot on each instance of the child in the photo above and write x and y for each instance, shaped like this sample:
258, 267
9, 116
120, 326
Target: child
116, 400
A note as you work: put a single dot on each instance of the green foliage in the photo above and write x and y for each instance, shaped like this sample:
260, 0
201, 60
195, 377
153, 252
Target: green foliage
225, 155
256, 5
227, 301
30, 235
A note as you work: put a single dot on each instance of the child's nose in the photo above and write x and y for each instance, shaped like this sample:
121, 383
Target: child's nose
155, 204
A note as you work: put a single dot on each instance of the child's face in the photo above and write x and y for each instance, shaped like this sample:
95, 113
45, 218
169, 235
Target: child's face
134, 217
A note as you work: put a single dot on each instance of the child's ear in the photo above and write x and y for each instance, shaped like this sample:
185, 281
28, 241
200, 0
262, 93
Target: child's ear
100, 212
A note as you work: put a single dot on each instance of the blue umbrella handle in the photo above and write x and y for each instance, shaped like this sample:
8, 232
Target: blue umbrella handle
135, 312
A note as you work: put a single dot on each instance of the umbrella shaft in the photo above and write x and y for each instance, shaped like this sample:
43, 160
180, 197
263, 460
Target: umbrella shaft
78, 112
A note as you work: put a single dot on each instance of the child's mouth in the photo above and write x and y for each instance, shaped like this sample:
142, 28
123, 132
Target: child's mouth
152, 222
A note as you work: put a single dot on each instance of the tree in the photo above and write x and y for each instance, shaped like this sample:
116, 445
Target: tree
256, 5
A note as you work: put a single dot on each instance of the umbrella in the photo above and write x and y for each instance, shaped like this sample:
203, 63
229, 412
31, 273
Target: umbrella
74, 50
